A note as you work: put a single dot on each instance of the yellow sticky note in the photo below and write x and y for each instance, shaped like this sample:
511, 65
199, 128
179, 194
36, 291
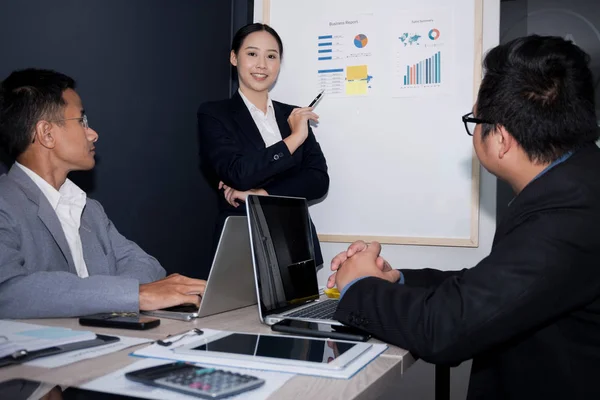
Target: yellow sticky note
356, 72
356, 87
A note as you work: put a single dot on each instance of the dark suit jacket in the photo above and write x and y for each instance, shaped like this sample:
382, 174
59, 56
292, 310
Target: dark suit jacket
528, 314
231, 146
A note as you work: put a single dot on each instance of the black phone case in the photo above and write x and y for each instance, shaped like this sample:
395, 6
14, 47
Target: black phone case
108, 321
339, 334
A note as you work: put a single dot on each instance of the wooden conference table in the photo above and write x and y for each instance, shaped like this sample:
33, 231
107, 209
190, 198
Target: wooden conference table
378, 378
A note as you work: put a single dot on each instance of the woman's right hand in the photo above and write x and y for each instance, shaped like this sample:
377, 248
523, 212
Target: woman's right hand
232, 195
298, 121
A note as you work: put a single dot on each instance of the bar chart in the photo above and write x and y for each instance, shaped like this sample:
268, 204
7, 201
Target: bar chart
425, 72
325, 47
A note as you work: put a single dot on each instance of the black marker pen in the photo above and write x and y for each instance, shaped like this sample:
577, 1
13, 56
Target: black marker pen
312, 103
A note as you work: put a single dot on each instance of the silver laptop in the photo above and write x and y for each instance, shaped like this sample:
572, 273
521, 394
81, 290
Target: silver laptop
230, 283
284, 261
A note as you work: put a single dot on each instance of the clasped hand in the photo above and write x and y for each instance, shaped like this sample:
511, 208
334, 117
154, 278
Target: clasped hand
360, 260
233, 196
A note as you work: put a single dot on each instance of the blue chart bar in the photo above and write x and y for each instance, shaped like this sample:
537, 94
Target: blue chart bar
330, 71
427, 71
435, 62
328, 49
428, 68
417, 74
439, 67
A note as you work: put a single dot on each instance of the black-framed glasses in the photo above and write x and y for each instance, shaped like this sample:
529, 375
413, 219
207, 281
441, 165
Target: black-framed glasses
471, 122
83, 119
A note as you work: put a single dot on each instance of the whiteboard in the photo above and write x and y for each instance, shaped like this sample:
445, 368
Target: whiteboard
402, 168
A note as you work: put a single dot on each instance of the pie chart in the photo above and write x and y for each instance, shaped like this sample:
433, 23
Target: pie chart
361, 41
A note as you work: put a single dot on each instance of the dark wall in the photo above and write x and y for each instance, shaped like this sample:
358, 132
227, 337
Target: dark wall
3, 167
243, 13
143, 67
513, 24
575, 20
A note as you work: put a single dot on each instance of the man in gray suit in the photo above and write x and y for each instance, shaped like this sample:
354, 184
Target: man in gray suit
60, 255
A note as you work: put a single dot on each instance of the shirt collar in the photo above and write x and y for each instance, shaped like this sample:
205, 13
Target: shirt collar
68, 192
554, 163
252, 108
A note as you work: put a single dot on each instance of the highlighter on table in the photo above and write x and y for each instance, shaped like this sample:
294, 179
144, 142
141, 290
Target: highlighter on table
332, 293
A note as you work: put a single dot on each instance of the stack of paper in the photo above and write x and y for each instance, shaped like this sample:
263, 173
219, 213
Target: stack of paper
77, 355
20, 337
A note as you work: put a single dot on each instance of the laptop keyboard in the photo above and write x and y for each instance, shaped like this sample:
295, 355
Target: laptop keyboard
321, 310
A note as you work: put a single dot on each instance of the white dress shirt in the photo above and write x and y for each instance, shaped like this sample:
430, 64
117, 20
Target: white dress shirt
68, 203
266, 123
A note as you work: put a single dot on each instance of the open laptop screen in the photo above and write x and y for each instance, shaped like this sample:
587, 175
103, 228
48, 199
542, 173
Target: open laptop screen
283, 252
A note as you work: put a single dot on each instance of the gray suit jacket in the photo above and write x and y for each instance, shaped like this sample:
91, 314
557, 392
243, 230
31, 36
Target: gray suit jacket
37, 274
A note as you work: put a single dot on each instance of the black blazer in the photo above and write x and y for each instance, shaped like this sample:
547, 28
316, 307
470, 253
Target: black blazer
528, 314
233, 149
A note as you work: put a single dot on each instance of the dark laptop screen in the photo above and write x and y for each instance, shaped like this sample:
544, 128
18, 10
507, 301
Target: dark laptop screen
283, 252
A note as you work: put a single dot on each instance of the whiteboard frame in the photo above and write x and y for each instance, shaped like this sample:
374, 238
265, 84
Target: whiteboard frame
473, 240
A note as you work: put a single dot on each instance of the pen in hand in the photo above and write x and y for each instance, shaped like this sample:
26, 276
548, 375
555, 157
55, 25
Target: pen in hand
312, 103
315, 100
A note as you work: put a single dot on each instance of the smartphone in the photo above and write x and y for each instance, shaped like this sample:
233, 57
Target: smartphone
208, 383
320, 330
120, 320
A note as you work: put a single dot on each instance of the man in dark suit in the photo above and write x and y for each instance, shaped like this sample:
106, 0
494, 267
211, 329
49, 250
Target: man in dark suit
529, 313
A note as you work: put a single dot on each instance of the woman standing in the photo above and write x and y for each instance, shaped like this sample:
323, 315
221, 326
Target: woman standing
256, 145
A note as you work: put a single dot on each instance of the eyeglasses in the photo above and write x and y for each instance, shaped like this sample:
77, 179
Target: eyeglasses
84, 122
471, 123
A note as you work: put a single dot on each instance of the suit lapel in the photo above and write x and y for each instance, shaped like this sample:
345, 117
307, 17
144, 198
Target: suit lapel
50, 219
246, 124
281, 116
45, 212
